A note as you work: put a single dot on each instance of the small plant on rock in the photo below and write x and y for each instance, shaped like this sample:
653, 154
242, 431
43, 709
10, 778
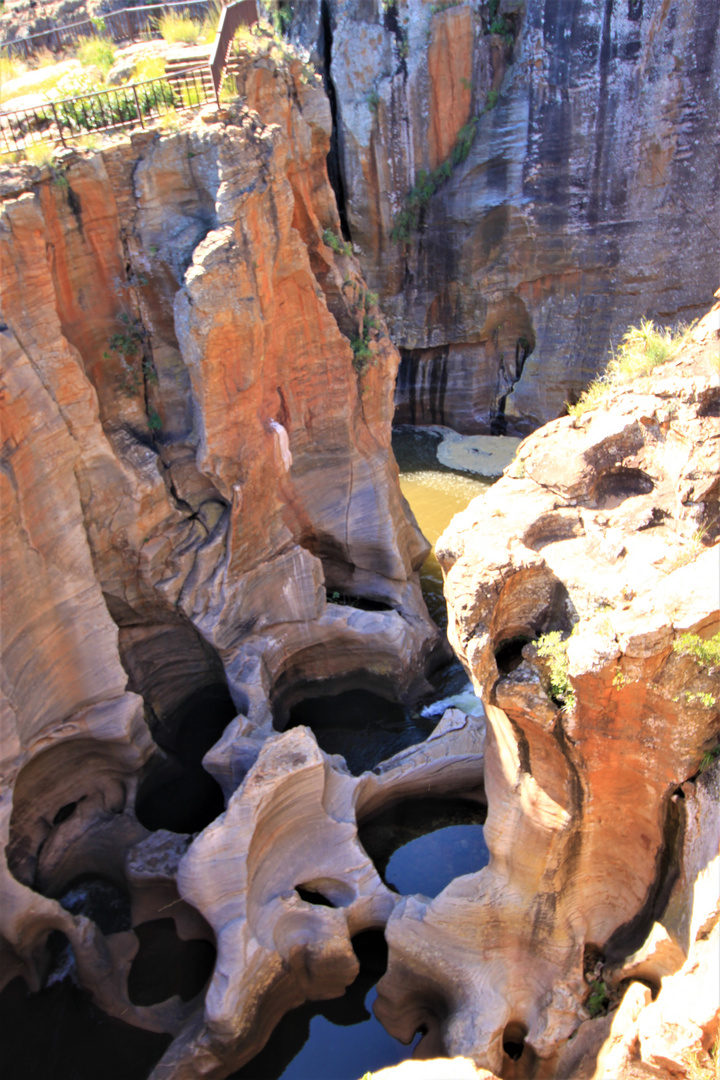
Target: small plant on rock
98, 53
704, 651
599, 999
340, 247
642, 349
553, 648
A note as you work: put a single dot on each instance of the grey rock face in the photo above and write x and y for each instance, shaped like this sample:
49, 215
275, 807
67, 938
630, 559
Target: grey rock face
590, 196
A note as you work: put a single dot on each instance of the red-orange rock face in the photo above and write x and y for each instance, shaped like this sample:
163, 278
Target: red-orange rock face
193, 458
604, 535
450, 67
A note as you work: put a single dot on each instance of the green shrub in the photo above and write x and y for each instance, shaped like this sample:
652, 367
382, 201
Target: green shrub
599, 999
362, 355
553, 648
704, 651
154, 421
443, 5
407, 220
709, 758
340, 247
117, 106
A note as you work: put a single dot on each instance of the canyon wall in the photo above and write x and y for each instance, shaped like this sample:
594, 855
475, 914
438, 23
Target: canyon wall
584, 600
195, 466
584, 191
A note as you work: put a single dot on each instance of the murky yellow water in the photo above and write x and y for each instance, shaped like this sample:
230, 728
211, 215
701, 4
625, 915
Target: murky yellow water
435, 495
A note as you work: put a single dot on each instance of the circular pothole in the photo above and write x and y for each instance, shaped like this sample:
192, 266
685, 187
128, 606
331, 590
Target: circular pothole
420, 846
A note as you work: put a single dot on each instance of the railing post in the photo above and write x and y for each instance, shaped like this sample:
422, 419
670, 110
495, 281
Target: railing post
137, 106
59, 125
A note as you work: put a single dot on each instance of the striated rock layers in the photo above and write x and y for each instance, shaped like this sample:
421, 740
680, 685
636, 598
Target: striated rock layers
583, 590
588, 197
192, 458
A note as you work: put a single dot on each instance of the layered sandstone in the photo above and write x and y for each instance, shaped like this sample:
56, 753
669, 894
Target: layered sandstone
604, 533
192, 458
589, 196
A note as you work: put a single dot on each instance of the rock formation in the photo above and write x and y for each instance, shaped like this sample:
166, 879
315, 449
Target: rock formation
587, 193
197, 398
193, 457
581, 592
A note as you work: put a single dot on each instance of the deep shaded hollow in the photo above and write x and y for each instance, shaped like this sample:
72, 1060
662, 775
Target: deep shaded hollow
508, 654
616, 485
514, 1047
166, 965
59, 1034
178, 794
310, 896
339, 1038
66, 812
356, 716
99, 899
630, 936
334, 157
421, 845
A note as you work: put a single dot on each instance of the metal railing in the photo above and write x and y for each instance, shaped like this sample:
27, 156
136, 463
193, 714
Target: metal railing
106, 110
127, 24
243, 13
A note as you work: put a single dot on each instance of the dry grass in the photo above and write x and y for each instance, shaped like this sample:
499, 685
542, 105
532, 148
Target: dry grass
39, 86
642, 349
149, 67
39, 154
96, 52
179, 29
10, 68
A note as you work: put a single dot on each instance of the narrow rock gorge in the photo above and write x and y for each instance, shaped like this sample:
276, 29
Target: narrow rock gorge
207, 331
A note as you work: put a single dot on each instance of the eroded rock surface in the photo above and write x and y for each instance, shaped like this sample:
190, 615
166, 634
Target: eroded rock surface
588, 197
285, 884
604, 532
191, 461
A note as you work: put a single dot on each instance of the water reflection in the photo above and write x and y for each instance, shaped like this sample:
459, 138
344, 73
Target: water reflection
339, 1038
421, 845
431, 862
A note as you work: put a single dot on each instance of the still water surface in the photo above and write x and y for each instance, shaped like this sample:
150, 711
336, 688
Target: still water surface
435, 493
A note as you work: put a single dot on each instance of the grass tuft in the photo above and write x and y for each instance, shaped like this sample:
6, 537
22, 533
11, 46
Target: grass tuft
96, 52
703, 650
177, 28
642, 349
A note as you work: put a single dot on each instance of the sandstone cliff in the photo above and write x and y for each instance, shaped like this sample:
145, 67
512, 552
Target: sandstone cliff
193, 457
584, 600
584, 193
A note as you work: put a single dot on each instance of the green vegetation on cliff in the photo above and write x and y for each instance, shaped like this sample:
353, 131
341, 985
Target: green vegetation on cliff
642, 349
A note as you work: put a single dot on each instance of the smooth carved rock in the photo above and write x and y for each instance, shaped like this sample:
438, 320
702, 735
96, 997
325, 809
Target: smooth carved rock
191, 461
292, 825
585, 822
